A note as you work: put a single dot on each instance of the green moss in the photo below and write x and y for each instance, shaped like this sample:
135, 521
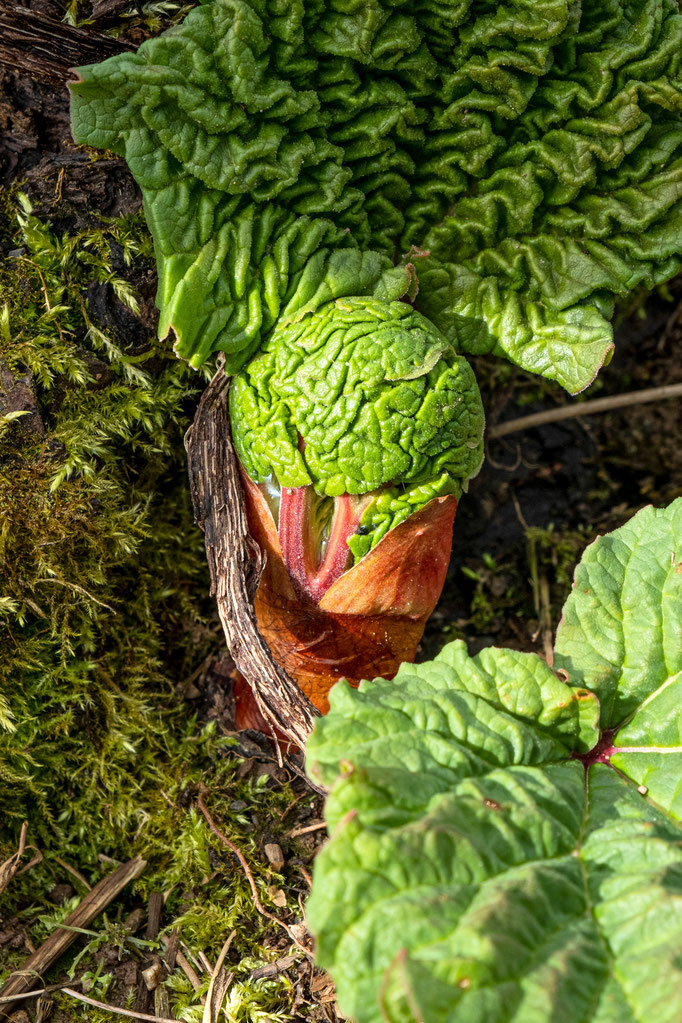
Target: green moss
102, 570
104, 609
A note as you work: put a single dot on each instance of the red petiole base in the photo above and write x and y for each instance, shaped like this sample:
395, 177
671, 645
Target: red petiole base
311, 574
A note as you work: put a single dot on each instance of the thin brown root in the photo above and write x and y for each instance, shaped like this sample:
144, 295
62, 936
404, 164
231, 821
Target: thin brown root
249, 876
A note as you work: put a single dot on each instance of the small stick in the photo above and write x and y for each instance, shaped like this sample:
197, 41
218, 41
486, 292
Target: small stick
206, 964
40, 993
9, 868
115, 1008
171, 947
77, 589
188, 971
586, 408
217, 989
90, 906
306, 874
154, 911
291, 805
249, 876
305, 831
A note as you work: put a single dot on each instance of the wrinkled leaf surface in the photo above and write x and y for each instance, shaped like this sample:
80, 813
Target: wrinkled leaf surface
478, 870
288, 154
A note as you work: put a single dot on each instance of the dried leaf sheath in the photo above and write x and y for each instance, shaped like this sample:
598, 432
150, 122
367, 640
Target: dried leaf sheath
236, 563
371, 619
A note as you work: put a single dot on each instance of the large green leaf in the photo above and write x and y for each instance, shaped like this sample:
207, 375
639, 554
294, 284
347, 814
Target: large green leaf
496, 856
621, 635
621, 629
289, 152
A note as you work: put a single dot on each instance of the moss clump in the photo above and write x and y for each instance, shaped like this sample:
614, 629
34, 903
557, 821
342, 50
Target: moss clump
102, 579
104, 609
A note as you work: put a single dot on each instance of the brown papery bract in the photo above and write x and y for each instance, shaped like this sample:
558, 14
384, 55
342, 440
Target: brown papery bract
368, 622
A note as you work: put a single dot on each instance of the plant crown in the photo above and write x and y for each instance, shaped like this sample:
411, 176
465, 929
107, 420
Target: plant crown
360, 396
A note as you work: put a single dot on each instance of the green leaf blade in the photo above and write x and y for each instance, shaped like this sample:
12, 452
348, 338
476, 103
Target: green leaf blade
633, 861
621, 632
535, 152
492, 861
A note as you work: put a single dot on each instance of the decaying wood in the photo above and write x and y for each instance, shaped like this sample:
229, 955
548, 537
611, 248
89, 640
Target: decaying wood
154, 911
236, 563
53, 947
34, 44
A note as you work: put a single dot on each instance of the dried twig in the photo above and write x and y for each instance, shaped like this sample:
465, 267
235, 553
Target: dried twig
236, 563
39, 993
217, 989
317, 826
77, 589
306, 874
115, 1008
292, 804
205, 961
90, 906
171, 949
154, 911
272, 969
188, 971
586, 408
74, 873
249, 876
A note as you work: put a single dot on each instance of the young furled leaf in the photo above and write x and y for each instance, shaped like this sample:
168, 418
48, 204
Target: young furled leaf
506, 846
361, 398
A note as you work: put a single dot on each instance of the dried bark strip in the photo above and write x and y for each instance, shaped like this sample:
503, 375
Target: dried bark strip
85, 912
236, 563
46, 49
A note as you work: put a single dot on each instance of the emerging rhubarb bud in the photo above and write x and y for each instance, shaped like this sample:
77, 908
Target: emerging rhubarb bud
351, 420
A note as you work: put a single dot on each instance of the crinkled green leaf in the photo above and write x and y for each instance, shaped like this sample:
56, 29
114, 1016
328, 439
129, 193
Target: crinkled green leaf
376, 394
289, 152
621, 636
391, 505
621, 630
483, 868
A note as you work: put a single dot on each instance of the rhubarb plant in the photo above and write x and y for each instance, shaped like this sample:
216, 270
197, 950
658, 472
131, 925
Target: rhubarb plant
346, 199
506, 838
